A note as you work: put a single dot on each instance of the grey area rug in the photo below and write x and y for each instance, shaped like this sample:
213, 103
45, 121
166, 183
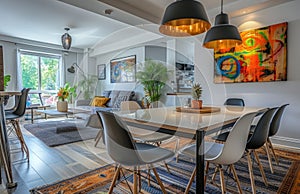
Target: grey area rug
54, 133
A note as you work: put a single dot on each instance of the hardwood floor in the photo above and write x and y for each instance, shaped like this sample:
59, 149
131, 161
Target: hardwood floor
51, 164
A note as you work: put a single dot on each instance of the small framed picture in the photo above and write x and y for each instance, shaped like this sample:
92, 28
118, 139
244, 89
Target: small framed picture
101, 72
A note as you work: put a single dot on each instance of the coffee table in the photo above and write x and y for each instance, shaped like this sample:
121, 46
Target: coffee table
53, 112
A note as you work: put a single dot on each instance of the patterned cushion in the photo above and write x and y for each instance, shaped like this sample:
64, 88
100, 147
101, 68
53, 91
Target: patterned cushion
118, 101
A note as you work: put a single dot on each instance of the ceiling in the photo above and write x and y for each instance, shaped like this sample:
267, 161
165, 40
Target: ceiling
45, 20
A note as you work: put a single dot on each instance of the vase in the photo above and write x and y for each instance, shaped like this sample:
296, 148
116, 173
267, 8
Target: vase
196, 104
62, 106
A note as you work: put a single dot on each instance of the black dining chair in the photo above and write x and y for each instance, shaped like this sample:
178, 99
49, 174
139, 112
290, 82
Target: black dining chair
122, 148
234, 102
274, 127
256, 140
12, 117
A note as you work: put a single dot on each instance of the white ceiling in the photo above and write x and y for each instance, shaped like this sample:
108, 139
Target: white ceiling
45, 20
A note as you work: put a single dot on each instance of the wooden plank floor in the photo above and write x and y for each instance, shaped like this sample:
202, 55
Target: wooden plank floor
48, 165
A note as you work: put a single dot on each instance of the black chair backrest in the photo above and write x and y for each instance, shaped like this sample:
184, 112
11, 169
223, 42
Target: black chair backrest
21, 108
118, 140
261, 131
275, 124
235, 102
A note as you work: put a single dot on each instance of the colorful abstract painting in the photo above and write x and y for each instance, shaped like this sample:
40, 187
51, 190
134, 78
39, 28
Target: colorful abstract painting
262, 57
122, 70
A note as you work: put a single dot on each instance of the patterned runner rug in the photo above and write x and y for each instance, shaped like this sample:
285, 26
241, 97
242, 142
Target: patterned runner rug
98, 181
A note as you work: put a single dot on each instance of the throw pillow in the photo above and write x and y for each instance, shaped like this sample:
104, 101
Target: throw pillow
99, 101
92, 101
118, 101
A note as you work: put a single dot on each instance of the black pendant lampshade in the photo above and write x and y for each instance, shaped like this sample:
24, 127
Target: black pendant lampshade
222, 34
66, 39
184, 18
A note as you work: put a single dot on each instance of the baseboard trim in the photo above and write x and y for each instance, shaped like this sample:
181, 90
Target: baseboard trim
288, 142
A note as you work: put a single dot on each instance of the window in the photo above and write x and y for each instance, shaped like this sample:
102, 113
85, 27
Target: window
41, 72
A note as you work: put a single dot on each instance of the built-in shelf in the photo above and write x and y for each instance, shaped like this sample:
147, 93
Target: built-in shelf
179, 94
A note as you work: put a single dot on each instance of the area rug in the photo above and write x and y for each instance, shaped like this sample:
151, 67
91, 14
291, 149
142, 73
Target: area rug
54, 133
98, 181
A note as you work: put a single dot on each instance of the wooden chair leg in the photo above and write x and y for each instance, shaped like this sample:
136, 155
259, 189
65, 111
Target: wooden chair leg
261, 169
273, 152
135, 182
167, 167
269, 158
206, 172
188, 187
251, 172
19, 134
140, 179
236, 178
111, 188
214, 175
158, 180
98, 137
223, 187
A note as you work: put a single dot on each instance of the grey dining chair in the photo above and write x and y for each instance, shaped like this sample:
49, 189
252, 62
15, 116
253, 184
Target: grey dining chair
224, 154
122, 148
13, 116
234, 102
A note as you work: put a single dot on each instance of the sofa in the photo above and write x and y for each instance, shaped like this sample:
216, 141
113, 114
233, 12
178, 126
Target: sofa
113, 104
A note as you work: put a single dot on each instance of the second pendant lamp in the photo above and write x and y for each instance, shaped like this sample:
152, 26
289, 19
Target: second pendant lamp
222, 35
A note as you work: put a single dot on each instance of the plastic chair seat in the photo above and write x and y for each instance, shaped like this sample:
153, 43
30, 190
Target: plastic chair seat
212, 150
150, 154
11, 116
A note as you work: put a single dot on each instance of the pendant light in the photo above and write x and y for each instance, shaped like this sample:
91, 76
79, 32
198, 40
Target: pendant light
222, 34
66, 39
184, 18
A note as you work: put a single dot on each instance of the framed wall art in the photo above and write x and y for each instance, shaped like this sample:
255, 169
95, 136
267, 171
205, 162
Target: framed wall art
262, 57
122, 70
101, 72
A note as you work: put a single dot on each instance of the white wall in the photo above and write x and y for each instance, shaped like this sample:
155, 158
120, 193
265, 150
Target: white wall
267, 94
106, 58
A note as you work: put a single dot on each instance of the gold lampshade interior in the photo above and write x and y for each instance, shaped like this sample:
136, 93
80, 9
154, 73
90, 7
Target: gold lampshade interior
222, 44
184, 27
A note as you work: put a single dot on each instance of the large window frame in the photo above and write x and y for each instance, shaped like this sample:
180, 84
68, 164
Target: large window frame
49, 93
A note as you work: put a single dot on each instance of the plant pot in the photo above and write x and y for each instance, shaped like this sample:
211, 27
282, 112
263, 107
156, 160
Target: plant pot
62, 106
196, 104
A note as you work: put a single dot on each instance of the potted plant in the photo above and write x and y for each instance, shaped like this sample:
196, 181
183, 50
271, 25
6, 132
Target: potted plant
196, 95
65, 93
153, 77
87, 86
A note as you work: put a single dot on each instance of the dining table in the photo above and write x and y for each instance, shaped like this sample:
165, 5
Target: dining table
188, 123
4, 144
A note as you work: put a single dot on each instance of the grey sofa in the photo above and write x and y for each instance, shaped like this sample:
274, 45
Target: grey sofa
116, 97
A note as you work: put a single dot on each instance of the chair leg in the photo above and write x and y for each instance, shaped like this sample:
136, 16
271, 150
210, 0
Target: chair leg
215, 174
19, 134
167, 167
223, 187
236, 178
114, 179
272, 149
269, 158
135, 182
190, 182
140, 179
261, 169
251, 171
98, 137
206, 172
158, 180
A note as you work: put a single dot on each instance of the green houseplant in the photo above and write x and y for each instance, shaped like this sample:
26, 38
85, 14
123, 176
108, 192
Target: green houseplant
87, 86
196, 95
153, 77
6, 80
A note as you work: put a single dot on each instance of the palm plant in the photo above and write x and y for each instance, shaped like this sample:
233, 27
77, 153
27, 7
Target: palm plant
153, 77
